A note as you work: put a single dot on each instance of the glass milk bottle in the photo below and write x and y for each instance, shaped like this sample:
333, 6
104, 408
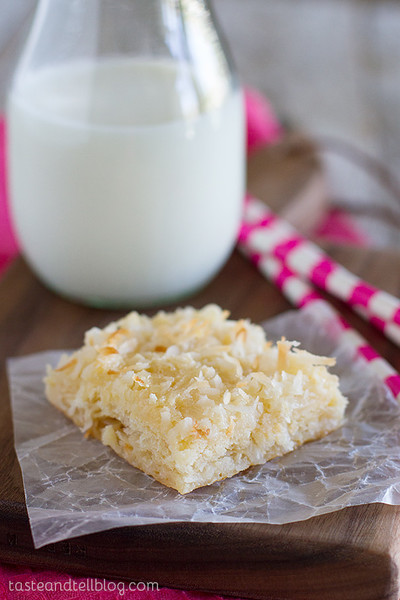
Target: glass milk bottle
126, 147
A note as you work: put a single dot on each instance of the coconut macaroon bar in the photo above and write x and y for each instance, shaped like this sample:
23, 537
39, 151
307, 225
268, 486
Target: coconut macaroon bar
191, 397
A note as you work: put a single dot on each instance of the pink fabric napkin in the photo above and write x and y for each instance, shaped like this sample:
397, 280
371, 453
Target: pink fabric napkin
263, 126
338, 227
8, 243
17, 583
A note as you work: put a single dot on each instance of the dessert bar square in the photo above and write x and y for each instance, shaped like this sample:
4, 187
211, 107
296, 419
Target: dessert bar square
191, 397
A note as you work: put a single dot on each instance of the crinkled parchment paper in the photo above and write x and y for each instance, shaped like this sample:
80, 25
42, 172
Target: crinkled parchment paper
74, 486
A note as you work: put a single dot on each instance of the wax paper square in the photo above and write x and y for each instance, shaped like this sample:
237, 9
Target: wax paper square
75, 486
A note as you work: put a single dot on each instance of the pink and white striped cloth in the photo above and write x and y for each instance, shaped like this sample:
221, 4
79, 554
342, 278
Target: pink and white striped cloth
8, 242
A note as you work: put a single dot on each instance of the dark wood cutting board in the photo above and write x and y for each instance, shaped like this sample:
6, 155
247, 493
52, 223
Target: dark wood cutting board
353, 554
348, 555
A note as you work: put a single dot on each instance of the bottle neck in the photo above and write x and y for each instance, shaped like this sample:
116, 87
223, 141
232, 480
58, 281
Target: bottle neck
184, 31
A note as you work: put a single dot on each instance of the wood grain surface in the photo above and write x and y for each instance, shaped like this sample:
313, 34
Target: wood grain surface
353, 554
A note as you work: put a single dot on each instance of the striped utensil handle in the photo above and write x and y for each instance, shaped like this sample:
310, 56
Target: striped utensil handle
302, 294
264, 233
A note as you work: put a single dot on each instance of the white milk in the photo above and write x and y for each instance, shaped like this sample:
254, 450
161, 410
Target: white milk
129, 202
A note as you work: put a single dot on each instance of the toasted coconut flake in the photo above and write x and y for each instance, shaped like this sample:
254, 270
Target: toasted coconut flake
242, 384
117, 335
107, 350
283, 351
140, 381
201, 330
199, 432
317, 360
190, 324
229, 431
241, 334
227, 397
260, 377
67, 365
